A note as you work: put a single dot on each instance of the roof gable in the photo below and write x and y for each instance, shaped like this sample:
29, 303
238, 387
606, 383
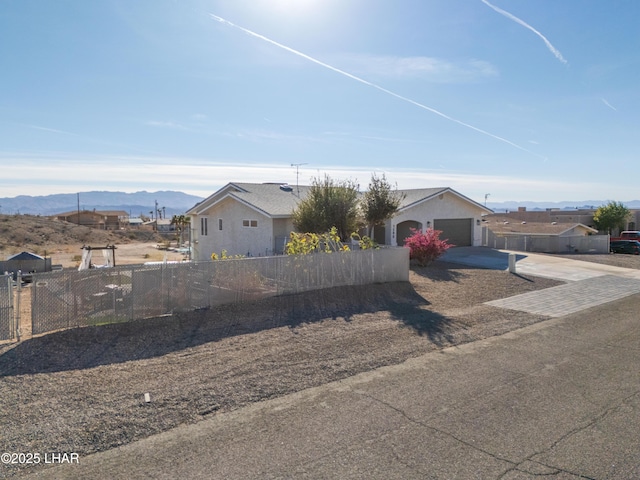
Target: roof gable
268, 198
416, 196
25, 256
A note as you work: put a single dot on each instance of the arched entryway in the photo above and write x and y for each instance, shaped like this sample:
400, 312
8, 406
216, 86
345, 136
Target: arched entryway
403, 230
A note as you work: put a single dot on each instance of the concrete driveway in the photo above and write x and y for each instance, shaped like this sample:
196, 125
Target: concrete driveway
588, 284
535, 264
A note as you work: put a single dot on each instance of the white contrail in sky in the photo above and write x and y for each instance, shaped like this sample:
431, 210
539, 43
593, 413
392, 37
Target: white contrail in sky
553, 49
373, 85
608, 104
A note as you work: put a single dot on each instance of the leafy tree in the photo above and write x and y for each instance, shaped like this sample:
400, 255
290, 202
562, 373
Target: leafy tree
380, 202
611, 216
426, 247
329, 203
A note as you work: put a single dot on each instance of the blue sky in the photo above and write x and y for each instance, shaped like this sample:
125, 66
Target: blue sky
523, 100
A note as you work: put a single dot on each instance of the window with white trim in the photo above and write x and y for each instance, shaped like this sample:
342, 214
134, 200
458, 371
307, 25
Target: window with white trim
249, 223
203, 226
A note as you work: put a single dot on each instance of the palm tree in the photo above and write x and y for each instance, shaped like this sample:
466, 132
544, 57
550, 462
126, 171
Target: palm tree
180, 221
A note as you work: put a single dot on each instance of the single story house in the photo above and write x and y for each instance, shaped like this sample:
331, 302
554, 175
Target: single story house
255, 219
507, 232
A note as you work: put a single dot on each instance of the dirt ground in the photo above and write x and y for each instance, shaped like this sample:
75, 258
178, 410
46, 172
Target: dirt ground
83, 390
126, 254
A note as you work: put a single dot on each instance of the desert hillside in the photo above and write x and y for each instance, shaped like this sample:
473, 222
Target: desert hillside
62, 241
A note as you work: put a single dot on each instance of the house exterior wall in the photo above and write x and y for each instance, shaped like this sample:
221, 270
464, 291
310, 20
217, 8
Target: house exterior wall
235, 238
282, 227
447, 205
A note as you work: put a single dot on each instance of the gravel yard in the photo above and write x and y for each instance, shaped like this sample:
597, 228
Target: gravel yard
614, 259
83, 390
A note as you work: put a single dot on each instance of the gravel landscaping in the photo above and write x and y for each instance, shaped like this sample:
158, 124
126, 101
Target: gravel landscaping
83, 390
616, 260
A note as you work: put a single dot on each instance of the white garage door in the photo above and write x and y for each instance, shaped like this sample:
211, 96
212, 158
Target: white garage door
457, 231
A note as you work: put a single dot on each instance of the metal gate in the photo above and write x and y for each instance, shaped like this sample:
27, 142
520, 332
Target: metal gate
7, 316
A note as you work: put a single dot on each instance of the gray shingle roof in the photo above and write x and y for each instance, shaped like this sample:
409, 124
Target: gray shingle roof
275, 202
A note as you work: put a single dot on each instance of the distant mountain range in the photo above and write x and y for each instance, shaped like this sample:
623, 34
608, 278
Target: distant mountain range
177, 203
500, 207
136, 204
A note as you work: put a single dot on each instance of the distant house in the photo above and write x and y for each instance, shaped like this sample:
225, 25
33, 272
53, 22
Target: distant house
255, 219
100, 219
164, 225
136, 222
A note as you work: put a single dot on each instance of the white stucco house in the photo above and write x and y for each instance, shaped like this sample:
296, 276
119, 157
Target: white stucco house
255, 219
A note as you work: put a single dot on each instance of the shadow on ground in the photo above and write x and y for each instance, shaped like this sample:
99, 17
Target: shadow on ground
480, 257
89, 347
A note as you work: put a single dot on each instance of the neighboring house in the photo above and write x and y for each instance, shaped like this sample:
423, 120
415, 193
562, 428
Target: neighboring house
101, 219
507, 232
578, 215
256, 219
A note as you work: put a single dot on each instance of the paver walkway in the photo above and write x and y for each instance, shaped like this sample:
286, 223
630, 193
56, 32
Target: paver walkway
571, 297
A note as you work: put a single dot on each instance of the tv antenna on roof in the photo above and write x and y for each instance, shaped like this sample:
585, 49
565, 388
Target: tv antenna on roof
298, 165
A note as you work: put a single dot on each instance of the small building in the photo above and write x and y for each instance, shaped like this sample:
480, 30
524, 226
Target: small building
25, 262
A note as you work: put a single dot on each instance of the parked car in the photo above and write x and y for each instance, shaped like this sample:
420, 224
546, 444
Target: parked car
625, 246
628, 235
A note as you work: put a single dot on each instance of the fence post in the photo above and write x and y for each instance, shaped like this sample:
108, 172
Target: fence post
512, 263
17, 315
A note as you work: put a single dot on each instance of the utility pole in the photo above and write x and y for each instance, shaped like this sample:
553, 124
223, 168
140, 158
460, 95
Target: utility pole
298, 165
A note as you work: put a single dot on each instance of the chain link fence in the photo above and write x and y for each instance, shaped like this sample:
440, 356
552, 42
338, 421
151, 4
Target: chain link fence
7, 314
67, 299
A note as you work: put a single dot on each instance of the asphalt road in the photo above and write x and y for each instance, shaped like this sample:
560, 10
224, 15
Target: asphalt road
560, 398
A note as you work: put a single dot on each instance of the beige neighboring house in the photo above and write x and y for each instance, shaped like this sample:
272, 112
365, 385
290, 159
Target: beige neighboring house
508, 232
255, 219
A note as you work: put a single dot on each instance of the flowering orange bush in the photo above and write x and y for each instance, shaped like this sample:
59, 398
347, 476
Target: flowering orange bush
426, 247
